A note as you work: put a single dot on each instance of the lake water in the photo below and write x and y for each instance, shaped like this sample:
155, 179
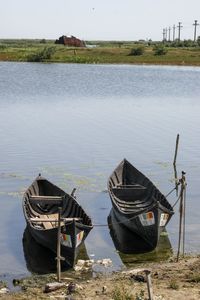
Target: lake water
75, 123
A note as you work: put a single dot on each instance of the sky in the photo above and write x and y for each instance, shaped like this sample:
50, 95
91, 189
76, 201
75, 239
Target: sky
97, 19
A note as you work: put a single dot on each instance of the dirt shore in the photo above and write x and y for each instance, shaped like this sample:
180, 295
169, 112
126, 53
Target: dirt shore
170, 280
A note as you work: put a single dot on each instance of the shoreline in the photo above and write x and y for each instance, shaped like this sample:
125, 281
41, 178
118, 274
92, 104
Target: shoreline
170, 280
111, 64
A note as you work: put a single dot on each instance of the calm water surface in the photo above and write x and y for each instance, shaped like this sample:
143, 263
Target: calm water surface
75, 123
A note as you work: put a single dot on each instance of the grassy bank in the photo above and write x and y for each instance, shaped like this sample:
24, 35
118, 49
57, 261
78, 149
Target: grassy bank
97, 52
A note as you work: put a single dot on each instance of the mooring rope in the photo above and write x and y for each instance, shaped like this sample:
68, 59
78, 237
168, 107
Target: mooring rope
170, 192
176, 201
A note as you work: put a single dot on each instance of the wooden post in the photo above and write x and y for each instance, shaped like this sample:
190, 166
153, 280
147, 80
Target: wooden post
58, 246
174, 163
176, 149
184, 208
73, 193
176, 180
182, 213
149, 284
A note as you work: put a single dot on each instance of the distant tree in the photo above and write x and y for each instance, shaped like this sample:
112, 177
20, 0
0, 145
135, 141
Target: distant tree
137, 51
42, 41
120, 44
188, 43
198, 41
2, 47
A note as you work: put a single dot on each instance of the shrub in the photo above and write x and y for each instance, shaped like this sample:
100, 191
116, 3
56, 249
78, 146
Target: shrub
137, 51
198, 41
160, 50
42, 55
3, 47
121, 294
42, 41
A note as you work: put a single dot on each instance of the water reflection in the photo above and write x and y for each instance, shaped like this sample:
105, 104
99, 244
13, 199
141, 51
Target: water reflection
98, 114
41, 260
132, 248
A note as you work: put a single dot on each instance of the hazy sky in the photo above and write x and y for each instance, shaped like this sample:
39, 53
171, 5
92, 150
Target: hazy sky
97, 19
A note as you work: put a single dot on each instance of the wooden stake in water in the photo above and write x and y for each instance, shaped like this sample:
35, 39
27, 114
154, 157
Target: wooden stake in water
174, 163
184, 209
176, 149
182, 214
58, 246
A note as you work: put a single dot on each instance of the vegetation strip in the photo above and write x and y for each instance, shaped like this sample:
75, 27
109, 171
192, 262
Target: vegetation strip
101, 52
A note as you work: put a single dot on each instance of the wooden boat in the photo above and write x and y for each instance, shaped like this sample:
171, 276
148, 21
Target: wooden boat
133, 247
40, 259
138, 204
125, 240
40, 205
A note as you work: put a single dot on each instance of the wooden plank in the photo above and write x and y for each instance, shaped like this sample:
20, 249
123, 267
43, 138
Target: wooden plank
43, 219
131, 186
50, 287
46, 199
46, 224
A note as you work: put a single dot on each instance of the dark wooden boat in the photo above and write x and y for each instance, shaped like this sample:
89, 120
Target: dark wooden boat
138, 204
135, 247
40, 259
40, 204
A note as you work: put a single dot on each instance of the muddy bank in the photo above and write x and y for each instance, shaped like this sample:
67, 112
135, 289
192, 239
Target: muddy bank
170, 280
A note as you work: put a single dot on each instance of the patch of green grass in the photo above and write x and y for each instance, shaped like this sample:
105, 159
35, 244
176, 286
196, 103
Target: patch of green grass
122, 294
195, 277
140, 296
173, 285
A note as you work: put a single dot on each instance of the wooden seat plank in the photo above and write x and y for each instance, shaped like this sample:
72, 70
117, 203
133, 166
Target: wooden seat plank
46, 199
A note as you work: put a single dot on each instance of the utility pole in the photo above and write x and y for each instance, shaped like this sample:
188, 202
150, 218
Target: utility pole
169, 36
195, 29
163, 34
166, 33
174, 30
179, 31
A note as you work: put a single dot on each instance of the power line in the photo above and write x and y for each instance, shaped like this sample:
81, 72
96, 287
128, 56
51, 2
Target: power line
170, 34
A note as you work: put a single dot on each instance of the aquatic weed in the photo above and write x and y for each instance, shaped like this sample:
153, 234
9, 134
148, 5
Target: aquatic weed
2, 284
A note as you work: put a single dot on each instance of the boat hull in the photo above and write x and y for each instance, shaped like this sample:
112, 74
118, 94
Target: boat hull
72, 237
42, 219
137, 204
147, 226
